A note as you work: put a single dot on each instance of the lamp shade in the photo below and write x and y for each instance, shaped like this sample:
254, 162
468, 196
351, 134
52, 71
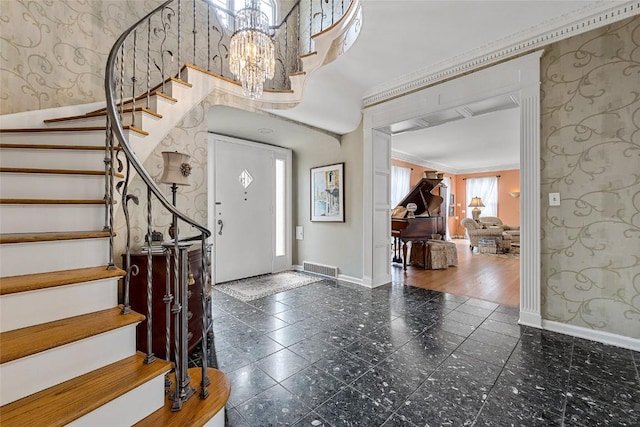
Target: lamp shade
476, 202
176, 168
514, 194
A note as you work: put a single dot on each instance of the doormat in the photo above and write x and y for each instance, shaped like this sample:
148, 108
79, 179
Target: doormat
267, 284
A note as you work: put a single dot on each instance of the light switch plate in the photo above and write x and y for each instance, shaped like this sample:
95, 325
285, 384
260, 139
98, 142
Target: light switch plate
554, 199
299, 232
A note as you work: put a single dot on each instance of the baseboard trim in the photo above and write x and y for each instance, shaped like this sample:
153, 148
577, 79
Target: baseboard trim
530, 319
351, 279
592, 335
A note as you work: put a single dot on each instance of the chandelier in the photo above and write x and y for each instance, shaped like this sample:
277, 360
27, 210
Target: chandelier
251, 56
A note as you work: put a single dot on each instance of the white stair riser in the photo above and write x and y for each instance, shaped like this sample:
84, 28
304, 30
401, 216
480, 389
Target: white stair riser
51, 186
24, 309
127, 409
156, 103
58, 159
37, 372
41, 257
217, 420
50, 218
177, 90
141, 121
90, 137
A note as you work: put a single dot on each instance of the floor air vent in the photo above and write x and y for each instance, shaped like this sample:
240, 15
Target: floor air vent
323, 270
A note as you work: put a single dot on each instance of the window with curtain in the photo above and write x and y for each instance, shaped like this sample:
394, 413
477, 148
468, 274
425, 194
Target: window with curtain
400, 184
487, 189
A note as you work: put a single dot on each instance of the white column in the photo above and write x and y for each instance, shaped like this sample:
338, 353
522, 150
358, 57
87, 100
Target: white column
530, 206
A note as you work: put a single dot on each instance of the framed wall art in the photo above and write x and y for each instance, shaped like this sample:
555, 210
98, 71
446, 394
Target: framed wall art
327, 193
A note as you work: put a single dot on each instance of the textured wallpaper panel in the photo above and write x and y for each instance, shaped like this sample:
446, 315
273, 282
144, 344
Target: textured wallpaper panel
53, 52
590, 153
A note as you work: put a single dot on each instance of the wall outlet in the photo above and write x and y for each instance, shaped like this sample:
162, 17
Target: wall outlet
299, 232
554, 199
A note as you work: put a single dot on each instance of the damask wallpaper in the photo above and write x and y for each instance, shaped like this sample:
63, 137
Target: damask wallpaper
590, 152
58, 56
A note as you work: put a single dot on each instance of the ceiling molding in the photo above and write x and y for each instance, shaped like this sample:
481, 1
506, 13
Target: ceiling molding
406, 157
564, 26
506, 167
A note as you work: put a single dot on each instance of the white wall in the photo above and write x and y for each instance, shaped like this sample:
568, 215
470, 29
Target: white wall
331, 243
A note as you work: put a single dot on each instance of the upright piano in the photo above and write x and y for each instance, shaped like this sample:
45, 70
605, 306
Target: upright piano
429, 217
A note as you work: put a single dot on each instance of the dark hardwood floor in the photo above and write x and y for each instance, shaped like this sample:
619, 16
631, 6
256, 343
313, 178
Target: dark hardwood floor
486, 277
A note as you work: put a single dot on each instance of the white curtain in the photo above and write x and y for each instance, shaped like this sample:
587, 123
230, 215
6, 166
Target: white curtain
400, 184
487, 189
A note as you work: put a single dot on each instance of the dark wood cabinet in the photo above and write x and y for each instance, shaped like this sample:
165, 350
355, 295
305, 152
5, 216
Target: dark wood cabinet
138, 292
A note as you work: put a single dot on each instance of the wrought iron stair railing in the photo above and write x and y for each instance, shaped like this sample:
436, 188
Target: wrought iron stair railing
144, 58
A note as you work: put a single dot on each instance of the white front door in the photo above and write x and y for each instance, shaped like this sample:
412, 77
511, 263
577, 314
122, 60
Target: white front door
244, 214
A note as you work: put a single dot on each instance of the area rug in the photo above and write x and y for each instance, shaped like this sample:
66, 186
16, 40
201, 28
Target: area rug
513, 255
267, 284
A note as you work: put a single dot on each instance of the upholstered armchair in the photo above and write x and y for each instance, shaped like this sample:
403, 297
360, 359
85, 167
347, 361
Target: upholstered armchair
494, 221
476, 231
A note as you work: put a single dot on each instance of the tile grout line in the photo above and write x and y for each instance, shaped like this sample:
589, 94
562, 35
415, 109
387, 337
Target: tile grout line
499, 374
566, 385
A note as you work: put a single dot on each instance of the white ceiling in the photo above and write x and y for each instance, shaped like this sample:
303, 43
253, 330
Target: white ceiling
403, 38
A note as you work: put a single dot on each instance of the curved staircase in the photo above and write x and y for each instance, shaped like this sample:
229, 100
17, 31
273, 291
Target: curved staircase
67, 348
68, 353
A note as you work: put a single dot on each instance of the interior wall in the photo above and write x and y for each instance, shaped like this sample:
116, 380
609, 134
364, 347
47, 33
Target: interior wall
508, 207
54, 52
417, 171
590, 134
330, 243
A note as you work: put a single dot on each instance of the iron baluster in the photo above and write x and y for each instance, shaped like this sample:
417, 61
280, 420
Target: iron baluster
204, 393
168, 298
133, 81
148, 103
177, 402
179, 32
125, 207
122, 82
208, 39
310, 23
186, 391
150, 356
195, 32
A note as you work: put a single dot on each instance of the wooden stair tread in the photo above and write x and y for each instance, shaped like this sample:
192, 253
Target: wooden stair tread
171, 79
228, 80
59, 171
194, 412
95, 114
54, 201
57, 147
63, 403
50, 236
31, 282
69, 129
138, 98
38, 338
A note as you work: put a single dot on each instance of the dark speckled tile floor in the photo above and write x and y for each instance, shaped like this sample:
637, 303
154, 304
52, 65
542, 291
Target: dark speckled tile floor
335, 354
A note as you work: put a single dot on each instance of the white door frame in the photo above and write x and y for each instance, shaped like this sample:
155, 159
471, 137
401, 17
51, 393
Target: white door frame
520, 77
280, 263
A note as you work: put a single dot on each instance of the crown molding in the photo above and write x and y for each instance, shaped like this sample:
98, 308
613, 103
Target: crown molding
406, 157
562, 27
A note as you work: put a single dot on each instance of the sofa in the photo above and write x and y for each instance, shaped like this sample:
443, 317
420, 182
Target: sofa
494, 221
476, 231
